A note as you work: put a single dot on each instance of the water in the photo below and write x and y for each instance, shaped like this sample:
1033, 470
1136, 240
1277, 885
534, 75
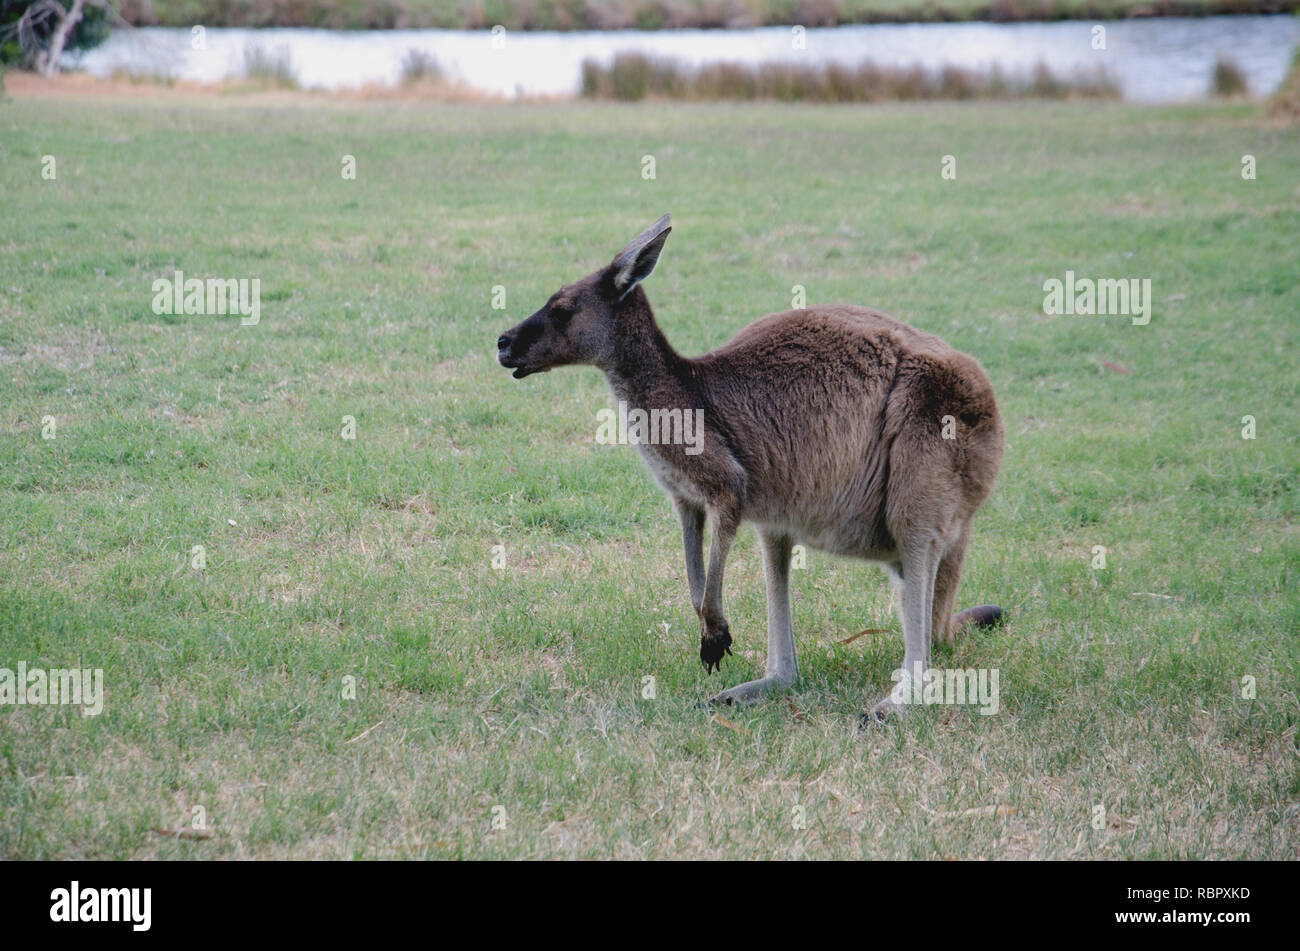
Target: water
1153, 60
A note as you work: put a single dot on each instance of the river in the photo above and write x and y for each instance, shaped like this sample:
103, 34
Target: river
1152, 60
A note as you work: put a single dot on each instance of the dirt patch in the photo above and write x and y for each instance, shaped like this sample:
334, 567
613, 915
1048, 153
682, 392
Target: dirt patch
77, 351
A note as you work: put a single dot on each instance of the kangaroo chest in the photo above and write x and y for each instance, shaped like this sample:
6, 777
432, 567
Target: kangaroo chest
668, 439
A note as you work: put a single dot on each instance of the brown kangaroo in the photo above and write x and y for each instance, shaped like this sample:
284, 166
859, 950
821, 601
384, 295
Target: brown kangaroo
836, 427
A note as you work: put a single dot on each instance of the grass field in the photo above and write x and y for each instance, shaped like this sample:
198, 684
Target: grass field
521, 688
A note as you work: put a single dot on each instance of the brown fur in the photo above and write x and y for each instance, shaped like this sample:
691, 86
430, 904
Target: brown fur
822, 426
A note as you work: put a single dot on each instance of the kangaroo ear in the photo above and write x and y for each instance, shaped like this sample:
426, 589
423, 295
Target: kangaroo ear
634, 263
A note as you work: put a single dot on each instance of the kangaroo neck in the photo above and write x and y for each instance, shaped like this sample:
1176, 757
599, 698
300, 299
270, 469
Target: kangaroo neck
644, 364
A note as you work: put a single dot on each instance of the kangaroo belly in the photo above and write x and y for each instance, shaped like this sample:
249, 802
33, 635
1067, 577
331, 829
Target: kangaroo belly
850, 527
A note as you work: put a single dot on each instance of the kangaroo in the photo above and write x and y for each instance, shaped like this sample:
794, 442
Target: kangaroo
836, 427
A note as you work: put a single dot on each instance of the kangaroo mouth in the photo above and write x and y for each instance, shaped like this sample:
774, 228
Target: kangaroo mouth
521, 369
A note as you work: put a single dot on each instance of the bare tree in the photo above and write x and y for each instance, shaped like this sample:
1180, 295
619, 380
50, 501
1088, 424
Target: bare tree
44, 28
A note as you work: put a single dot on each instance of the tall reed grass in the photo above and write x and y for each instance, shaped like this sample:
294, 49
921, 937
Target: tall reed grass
270, 67
1227, 79
636, 76
1285, 103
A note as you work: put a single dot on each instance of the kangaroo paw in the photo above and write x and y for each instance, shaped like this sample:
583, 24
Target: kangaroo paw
713, 647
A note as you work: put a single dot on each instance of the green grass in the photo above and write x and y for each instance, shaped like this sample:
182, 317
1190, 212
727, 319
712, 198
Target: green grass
521, 687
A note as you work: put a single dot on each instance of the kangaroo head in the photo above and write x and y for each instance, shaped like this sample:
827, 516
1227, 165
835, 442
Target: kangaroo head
579, 324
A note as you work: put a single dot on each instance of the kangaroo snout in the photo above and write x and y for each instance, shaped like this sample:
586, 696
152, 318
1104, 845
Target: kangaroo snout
512, 353
507, 359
